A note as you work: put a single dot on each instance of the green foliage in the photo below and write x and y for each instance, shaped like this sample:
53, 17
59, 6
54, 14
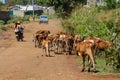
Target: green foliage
2, 27
85, 22
63, 8
42, 2
21, 19
113, 58
3, 7
26, 18
113, 54
2, 22
18, 2
112, 4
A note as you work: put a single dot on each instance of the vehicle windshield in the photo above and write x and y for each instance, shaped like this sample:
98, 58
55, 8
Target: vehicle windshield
43, 16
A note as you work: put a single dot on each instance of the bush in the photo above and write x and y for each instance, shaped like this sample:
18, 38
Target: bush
112, 4
26, 18
2, 27
85, 22
2, 22
113, 54
10, 21
21, 19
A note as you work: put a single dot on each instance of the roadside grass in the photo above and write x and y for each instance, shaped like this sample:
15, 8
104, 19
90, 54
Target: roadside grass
108, 14
101, 67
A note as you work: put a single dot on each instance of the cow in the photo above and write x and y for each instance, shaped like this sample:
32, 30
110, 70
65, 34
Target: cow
99, 43
104, 44
39, 36
43, 31
46, 47
37, 40
56, 43
84, 49
69, 44
59, 42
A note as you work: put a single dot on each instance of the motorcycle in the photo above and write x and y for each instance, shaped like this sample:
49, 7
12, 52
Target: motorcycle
19, 36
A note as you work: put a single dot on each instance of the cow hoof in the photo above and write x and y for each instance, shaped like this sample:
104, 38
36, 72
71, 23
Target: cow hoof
94, 71
88, 70
82, 70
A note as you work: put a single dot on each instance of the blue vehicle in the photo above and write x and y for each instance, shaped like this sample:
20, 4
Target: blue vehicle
43, 19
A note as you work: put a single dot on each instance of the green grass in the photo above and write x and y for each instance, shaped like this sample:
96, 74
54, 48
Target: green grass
100, 66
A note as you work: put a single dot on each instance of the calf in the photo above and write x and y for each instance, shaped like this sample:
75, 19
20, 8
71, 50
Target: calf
39, 36
46, 47
38, 39
85, 48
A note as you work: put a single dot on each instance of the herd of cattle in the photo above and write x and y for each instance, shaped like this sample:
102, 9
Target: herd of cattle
62, 42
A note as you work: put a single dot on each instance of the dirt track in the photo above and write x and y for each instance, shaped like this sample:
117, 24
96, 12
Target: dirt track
21, 61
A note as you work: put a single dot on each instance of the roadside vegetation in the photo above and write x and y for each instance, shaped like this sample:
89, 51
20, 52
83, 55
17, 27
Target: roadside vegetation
101, 23
2, 26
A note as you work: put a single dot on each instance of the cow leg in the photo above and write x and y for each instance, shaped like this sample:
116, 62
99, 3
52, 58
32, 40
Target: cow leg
39, 43
47, 49
89, 64
43, 51
55, 47
36, 43
46, 52
83, 63
92, 60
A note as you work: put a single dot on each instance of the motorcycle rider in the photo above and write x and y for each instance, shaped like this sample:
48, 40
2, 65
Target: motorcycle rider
18, 29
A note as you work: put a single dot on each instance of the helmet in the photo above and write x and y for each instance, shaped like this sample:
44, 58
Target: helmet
18, 22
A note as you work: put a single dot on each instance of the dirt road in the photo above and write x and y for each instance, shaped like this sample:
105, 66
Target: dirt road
22, 61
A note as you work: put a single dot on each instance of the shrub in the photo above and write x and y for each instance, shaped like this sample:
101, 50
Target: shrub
113, 54
2, 27
26, 18
85, 22
2, 22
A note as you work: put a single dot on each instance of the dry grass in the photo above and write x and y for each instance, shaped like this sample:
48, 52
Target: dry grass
107, 15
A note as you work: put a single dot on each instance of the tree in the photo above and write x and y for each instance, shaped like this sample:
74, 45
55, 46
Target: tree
2, 6
18, 2
62, 7
112, 4
65, 7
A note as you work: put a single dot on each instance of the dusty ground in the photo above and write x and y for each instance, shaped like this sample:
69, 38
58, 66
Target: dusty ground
21, 61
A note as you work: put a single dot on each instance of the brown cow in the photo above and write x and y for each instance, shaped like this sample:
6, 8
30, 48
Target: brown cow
69, 44
46, 47
37, 40
104, 44
85, 48
43, 31
99, 43
39, 36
